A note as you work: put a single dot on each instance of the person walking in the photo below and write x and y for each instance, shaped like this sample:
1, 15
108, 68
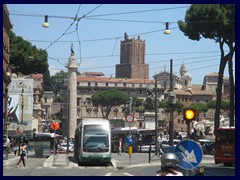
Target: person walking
22, 154
120, 146
169, 164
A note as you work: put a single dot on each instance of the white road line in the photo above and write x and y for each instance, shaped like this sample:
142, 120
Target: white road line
108, 174
128, 174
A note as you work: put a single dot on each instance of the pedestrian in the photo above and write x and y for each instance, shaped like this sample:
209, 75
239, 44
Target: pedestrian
15, 149
169, 164
120, 146
22, 154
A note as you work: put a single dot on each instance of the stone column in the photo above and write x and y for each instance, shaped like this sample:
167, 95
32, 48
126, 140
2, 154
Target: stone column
72, 95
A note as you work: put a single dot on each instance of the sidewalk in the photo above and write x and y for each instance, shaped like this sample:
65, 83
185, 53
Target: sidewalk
12, 160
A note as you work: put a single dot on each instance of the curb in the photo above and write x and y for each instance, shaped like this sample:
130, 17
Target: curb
120, 167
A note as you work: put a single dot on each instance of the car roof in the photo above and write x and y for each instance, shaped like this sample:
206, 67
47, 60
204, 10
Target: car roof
206, 140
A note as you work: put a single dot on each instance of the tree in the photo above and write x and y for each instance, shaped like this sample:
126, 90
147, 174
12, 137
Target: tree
107, 100
178, 107
136, 105
25, 57
225, 105
217, 22
57, 84
200, 107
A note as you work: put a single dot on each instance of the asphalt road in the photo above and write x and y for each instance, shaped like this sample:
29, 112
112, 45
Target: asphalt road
35, 168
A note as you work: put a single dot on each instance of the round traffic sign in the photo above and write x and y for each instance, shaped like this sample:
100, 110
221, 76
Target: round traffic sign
55, 126
129, 118
189, 154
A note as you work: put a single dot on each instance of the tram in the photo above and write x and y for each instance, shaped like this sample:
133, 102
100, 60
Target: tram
93, 141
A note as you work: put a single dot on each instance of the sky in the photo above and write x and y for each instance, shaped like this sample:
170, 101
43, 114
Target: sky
97, 35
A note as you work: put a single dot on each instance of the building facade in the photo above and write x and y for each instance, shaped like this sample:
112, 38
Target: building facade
7, 26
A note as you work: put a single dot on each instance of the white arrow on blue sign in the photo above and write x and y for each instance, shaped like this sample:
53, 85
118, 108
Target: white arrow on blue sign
189, 154
129, 139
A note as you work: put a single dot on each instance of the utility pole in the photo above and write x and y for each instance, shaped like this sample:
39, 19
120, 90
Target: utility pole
172, 100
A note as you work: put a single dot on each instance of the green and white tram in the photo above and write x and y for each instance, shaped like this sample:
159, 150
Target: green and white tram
93, 141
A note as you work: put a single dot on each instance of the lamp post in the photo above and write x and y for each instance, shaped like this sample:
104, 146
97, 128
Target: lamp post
22, 104
156, 118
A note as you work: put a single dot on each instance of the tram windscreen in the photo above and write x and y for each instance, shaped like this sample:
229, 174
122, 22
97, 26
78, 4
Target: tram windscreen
95, 137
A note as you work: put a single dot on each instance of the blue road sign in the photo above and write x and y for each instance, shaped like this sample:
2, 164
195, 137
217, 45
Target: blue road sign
129, 139
189, 154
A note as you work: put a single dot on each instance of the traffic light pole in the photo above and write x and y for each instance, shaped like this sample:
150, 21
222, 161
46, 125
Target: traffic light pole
188, 129
156, 120
171, 108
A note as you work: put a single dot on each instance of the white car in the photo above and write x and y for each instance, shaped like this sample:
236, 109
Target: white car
145, 148
64, 147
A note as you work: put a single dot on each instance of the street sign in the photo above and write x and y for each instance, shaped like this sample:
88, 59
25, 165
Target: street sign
189, 154
129, 118
129, 139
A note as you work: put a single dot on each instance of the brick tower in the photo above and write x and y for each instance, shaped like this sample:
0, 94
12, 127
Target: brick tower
132, 59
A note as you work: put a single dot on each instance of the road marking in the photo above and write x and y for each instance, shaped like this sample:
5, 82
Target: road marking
128, 174
108, 174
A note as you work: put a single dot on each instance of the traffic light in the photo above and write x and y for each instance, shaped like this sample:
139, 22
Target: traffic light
190, 114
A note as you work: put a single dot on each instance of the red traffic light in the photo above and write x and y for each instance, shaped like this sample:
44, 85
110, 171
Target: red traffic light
190, 114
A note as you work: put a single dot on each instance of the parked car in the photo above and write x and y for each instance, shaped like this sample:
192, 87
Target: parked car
197, 171
145, 148
207, 146
64, 147
165, 143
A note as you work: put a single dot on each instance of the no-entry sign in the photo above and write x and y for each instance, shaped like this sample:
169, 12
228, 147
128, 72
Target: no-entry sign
129, 118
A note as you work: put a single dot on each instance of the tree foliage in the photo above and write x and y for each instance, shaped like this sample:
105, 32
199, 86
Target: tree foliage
200, 107
217, 22
225, 105
107, 100
25, 57
57, 84
178, 107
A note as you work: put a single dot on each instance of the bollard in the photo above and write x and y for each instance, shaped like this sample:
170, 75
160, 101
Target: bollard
149, 154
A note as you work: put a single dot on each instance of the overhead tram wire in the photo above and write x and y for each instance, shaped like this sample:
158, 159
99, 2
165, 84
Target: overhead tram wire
79, 42
67, 17
161, 61
70, 27
167, 60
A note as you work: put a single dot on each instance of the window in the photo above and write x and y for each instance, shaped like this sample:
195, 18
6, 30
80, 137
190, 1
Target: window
124, 84
96, 84
89, 84
106, 84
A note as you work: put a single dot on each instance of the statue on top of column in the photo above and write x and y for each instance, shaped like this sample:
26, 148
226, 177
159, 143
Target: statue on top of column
72, 52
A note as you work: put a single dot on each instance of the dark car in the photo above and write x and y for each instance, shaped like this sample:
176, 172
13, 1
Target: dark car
207, 146
197, 171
